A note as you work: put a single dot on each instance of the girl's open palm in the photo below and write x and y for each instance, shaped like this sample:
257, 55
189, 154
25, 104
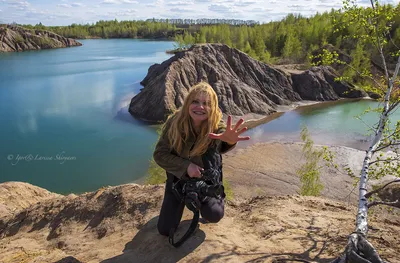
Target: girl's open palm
231, 135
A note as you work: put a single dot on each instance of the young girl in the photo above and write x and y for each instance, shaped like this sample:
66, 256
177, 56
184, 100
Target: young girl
186, 136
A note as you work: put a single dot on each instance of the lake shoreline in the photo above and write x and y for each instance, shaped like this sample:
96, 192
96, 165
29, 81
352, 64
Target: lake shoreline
253, 120
73, 107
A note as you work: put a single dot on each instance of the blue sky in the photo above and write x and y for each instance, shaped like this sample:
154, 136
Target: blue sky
65, 12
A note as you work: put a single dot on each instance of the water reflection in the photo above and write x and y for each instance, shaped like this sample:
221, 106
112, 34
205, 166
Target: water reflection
27, 123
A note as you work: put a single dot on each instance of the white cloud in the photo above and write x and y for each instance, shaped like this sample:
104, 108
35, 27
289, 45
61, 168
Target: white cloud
181, 10
64, 5
295, 6
302, 8
59, 15
223, 8
333, 2
71, 5
110, 2
45, 14
243, 3
329, 6
128, 12
19, 5
260, 10
157, 5
117, 2
180, 3
77, 5
56, 12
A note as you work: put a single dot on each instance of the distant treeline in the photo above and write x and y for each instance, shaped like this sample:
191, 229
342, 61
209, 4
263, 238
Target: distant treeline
292, 40
114, 29
206, 21
151, 28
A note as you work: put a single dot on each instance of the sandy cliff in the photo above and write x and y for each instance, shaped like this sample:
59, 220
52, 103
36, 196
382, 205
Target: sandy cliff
243, 84
262, 224
16, 39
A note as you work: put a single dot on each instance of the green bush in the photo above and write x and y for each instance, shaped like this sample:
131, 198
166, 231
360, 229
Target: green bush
19, 39
42, 41
228, 190
155, 174
310, 171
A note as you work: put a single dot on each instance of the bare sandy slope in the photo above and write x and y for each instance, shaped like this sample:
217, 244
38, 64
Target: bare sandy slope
270, 169
118, 224
17, 195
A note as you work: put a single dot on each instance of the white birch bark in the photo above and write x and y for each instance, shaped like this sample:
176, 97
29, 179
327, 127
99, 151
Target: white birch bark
362, 215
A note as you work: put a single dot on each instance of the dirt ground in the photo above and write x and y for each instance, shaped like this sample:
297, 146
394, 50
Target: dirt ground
265, 222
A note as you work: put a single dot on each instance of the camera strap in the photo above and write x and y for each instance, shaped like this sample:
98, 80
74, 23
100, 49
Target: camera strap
192, 228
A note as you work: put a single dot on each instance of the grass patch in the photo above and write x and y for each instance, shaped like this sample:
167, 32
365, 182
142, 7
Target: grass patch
228, 190
19, 39
155, 174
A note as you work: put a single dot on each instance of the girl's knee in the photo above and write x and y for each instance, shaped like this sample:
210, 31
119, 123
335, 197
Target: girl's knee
213, 215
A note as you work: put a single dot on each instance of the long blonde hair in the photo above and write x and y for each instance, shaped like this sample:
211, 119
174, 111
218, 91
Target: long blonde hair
181, 125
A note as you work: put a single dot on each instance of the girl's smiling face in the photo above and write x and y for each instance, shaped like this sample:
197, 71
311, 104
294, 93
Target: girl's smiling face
199, 109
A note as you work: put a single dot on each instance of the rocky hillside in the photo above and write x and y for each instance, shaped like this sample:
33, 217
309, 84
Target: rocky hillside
16, 39
243, 85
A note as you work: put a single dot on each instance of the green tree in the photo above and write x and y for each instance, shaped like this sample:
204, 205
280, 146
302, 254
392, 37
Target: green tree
309, 172
259, 45
188, 40
179, 43
292, 48
372, 25
240, 42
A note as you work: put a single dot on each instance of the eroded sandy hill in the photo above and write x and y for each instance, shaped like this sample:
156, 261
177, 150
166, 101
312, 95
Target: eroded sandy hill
118, 224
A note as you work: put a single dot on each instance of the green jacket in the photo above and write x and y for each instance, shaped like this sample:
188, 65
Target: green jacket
177, 163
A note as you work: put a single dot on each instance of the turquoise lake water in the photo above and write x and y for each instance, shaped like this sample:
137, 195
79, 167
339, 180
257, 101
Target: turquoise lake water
72, 103
65, 124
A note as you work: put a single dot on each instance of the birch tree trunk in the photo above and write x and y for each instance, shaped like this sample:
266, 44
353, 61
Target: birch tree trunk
362, 215
358, 249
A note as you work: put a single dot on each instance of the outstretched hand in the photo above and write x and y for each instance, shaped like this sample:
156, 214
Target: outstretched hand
231, 135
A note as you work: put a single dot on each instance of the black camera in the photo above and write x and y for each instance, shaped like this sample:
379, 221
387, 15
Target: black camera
194, 191
197, 191
203, 189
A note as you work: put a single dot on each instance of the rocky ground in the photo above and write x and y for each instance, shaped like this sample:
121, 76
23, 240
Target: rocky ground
265, 222
16, 39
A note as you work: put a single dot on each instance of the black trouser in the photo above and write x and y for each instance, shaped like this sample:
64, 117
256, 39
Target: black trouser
172, 209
